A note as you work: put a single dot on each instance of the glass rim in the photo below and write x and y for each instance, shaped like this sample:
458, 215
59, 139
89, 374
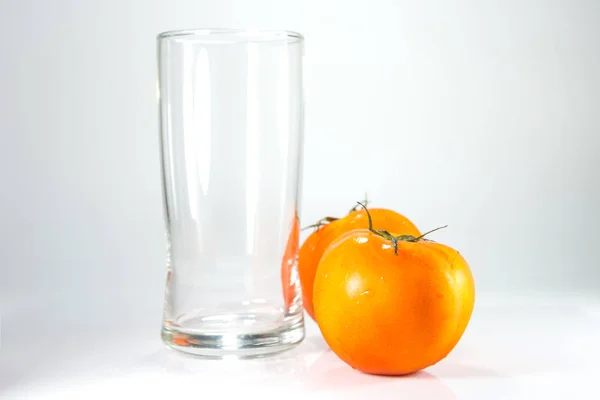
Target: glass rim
235, 35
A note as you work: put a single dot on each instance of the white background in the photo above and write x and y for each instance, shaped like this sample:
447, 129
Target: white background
477, 114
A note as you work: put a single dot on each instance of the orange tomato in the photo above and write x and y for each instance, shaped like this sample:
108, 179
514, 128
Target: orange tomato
288, 262
392, 313
315, 244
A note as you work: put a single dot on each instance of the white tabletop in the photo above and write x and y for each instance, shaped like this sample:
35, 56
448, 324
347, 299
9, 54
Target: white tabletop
516, 347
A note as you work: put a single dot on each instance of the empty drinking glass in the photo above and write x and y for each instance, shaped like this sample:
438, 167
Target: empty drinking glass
231, 121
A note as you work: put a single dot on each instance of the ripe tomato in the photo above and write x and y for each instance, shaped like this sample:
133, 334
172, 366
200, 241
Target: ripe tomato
313, 247
288, 262
392, 313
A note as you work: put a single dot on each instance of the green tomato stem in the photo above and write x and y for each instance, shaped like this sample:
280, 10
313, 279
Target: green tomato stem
394, 239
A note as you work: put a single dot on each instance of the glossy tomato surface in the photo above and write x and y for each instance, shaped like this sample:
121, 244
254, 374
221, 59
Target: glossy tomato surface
392, 314
317, 242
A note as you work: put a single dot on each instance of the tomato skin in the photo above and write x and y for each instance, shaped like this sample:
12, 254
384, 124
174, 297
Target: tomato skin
390, 314
288, 262
318, 241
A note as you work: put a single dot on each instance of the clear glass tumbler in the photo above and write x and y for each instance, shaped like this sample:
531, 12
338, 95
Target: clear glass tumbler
231, 119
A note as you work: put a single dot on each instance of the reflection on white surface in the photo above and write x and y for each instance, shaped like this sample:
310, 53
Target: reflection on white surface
329, 374
514, 349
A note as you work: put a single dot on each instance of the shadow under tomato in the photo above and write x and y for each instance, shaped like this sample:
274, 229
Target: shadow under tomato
455, 370
329, 373
316, 343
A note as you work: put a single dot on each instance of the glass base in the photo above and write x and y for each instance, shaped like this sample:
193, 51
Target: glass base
241, 335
